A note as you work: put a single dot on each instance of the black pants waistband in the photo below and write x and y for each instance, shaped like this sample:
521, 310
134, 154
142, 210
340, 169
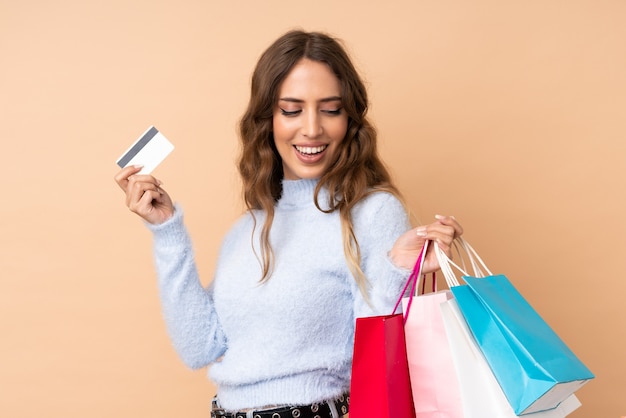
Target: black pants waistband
319, 410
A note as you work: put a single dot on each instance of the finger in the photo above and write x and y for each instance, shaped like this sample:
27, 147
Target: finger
451, 221
136, 188
147, 199
444, 242
441, 234
121, 178
145, 205
436, 232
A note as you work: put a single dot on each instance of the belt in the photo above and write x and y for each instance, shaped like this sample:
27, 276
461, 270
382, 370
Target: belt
316, 410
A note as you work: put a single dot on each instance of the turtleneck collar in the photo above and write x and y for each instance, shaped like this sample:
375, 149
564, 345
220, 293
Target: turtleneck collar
300, 193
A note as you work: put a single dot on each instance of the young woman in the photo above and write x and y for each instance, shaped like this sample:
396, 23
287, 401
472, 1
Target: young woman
325, 239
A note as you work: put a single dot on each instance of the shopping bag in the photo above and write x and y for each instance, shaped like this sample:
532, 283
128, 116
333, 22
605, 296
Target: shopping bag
380, 386
434, 382
481, 394
534, 367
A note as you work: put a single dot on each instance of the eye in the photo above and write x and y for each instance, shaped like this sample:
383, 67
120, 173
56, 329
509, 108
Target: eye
333, 112
289, 112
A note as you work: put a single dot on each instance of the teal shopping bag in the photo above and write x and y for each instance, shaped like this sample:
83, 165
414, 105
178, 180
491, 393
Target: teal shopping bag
534, 367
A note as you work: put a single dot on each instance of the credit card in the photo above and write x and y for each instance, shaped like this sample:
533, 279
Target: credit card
149, 151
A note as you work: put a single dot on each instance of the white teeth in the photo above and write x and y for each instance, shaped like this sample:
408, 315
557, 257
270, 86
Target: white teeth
311, 150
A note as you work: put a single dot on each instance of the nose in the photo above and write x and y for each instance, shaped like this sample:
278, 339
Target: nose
312, 125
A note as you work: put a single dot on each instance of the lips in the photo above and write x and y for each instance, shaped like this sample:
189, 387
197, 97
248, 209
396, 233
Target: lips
310, 150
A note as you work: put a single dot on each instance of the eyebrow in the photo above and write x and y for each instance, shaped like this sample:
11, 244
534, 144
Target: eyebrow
324, 100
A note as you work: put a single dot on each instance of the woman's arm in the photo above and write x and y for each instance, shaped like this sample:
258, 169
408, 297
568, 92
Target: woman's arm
390, 248
187, 307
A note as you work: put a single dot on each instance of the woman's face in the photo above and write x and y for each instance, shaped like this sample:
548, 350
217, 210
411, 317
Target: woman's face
309, 120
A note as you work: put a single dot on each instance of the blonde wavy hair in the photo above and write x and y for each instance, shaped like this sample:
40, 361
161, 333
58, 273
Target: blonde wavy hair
357, 171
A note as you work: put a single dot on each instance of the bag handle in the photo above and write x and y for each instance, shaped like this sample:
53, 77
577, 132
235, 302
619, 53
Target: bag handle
434, 274
474, 259
445, 263
446, 269
433, 284
413, 279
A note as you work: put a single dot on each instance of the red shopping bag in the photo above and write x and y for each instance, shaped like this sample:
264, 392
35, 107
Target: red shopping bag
380, 385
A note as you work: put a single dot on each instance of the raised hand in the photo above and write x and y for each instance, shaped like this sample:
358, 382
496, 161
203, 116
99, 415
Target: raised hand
144, 195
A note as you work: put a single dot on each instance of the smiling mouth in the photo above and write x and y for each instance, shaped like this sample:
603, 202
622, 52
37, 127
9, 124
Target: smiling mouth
310, 150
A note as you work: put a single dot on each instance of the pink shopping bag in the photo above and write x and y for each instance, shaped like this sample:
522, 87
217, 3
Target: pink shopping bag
436, 392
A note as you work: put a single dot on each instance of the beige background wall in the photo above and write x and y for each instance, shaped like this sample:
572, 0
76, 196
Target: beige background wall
509, 115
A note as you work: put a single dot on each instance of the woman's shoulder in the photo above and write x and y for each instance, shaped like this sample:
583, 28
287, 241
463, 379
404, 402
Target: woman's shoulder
379, 218
380, 209
379, 201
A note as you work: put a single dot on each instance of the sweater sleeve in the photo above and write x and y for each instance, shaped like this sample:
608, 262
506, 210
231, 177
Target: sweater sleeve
378, 224
187, 306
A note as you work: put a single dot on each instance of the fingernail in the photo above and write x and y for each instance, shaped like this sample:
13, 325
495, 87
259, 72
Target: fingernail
138, 166
421, 231
439, 217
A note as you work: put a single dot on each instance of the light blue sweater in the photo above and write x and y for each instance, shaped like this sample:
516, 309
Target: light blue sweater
290, 340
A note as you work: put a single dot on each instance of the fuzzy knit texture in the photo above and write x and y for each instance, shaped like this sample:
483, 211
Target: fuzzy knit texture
289, 340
